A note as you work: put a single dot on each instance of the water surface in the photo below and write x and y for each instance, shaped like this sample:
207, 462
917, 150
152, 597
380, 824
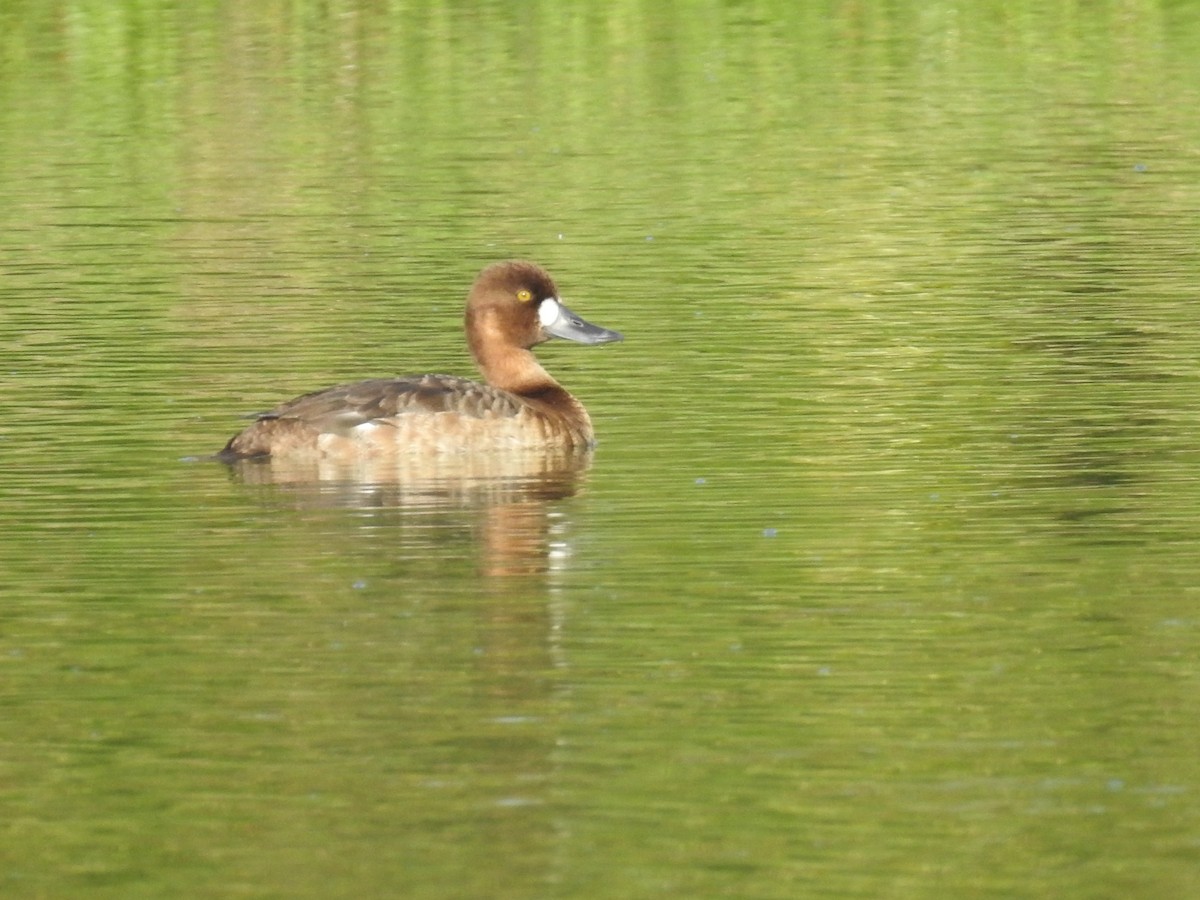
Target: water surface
881, 582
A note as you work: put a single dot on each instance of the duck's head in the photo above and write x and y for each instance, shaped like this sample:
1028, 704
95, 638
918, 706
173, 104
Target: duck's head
516, 304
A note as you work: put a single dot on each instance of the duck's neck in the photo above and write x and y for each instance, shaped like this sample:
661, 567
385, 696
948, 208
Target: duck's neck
515, 371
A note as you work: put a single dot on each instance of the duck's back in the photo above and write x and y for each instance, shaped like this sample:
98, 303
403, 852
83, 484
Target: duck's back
422, 413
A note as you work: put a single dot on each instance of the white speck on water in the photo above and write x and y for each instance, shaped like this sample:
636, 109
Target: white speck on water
509, 802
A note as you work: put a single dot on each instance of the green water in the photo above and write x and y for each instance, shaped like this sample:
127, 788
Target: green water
883, 581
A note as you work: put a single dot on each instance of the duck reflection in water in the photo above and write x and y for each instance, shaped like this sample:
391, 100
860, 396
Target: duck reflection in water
508, 514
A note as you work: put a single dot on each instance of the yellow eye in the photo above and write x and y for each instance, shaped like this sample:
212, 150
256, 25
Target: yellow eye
524, 296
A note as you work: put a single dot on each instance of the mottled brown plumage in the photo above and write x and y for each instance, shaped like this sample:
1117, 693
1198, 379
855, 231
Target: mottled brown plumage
512, 307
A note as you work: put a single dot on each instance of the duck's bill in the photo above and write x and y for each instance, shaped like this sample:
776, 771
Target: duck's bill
560, 322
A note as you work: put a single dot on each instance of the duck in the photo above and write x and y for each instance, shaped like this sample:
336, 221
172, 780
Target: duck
512, 307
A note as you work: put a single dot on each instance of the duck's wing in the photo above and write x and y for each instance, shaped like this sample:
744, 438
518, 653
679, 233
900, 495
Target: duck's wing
344, 407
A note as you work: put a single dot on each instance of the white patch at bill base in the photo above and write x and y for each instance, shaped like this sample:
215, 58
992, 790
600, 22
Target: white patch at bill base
548, 311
